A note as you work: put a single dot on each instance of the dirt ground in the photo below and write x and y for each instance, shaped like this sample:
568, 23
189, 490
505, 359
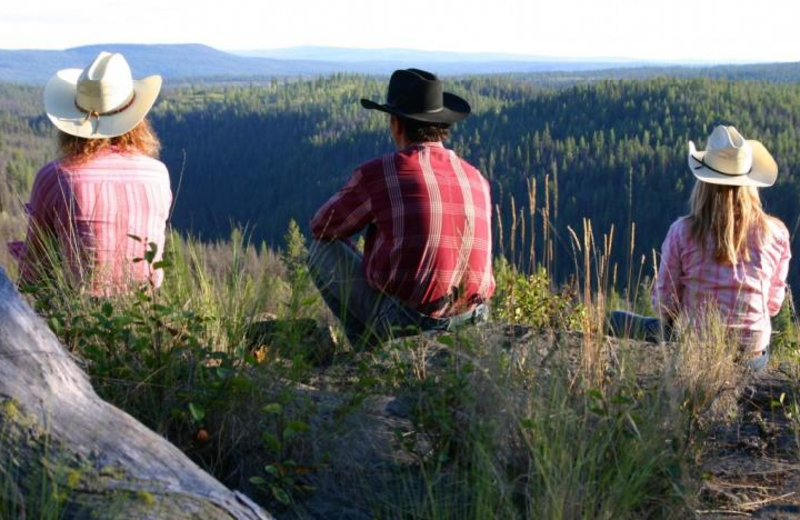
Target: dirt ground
750, 465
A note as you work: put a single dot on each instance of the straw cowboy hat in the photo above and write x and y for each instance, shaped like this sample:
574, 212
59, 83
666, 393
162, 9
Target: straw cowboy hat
102, 100
731, 160
418, 95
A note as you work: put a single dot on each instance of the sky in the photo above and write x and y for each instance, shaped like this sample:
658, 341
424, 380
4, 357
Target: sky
663, 30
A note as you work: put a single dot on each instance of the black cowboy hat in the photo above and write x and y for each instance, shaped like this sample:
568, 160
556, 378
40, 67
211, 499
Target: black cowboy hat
418, 95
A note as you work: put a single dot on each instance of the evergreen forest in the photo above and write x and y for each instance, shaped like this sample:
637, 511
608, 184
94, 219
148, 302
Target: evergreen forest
614, 151
537, 413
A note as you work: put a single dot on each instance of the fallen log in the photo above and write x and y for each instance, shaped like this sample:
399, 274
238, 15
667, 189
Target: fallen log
61, 443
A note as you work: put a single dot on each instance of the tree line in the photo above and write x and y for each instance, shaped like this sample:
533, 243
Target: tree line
263, 153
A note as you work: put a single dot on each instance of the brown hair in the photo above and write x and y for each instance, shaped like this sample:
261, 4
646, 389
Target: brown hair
142, 139
728, 214
419, 132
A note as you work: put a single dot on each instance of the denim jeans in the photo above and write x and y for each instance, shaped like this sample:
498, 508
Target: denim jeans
626, 324
368, 315
759, 363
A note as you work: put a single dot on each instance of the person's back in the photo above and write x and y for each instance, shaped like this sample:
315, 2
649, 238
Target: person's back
744, 294
430, 243
98, 207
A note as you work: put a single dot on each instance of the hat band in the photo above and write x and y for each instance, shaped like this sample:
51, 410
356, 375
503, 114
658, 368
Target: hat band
704, 164
409, 110
95, 113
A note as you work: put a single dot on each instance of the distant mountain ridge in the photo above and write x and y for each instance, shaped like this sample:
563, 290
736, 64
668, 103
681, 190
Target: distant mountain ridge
358, 55
194, 62
173, 61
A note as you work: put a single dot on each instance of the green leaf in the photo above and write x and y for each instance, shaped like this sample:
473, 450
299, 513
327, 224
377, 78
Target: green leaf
273, 408
55, 325
281, 496
150, 254
594, 394
271, 442
121, 322
446, 340
198, 414
272, 470
258, 481
295, 427
621, 400
307, 302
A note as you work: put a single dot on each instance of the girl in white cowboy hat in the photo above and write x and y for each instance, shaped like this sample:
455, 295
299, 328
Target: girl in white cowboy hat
727, 255
107, 199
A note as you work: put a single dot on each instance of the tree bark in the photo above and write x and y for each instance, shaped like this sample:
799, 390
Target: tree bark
59, 442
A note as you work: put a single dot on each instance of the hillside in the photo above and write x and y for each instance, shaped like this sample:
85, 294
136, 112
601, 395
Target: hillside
537, 414
174, 62
245, 149
612, 151
773, 72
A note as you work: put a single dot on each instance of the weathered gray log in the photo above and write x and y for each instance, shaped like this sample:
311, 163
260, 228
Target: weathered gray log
54, 429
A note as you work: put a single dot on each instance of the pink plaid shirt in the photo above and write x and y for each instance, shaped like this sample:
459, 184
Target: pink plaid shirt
92, 209
746, 295
428, 219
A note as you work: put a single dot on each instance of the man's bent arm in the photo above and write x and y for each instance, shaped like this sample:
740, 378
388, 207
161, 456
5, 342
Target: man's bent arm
346, 213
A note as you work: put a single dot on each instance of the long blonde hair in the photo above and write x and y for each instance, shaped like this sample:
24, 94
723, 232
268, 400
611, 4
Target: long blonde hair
142, 139
728, 215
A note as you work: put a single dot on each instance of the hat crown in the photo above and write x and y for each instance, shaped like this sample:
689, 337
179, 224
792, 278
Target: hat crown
415, 91
729, 152
105, 85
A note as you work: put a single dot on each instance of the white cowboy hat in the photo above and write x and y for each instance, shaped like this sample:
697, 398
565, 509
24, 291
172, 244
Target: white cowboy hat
731, 160
102, 100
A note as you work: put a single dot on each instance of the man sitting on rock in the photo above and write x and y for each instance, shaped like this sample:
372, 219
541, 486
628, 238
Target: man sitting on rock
427, 262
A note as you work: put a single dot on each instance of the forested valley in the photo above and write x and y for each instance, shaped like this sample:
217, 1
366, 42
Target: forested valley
613, 151
538, 413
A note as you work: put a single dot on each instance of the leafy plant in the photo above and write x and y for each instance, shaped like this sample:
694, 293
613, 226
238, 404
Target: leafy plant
531, 300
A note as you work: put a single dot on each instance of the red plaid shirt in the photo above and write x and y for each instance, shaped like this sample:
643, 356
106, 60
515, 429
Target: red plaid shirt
429, 238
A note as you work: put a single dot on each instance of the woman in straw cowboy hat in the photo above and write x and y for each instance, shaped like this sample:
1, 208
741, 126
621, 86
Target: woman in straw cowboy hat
107, 199
727, 256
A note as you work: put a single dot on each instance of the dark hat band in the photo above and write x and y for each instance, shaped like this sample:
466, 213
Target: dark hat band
704, 164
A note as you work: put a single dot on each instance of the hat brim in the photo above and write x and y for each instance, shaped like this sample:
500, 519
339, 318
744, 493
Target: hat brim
455, 109
763, 174
59, 102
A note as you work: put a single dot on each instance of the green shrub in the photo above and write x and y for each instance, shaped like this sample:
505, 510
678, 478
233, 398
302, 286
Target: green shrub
531, 300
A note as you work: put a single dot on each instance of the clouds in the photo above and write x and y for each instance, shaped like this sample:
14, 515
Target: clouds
721, 30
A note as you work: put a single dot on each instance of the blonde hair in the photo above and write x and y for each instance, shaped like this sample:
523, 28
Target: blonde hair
142, 139
728, 215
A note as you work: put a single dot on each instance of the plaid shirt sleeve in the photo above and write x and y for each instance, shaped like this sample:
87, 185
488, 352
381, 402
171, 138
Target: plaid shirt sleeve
346, 213
667, 290
44, 202
777, 290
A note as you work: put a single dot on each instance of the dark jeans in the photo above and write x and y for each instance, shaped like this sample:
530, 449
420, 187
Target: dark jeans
626, 324
367, 315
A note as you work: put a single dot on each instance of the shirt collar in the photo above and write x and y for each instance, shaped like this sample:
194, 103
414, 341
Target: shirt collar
428, 144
